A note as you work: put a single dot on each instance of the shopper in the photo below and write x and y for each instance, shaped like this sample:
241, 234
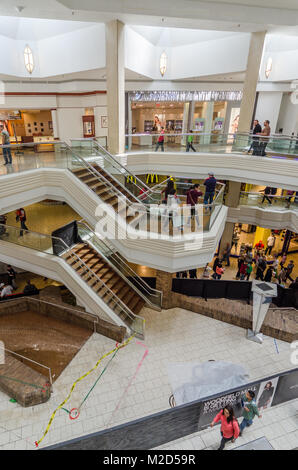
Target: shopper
229, 428
11, 276
206, 272
160, 142
5, 141
283, 260
248, 271
290, 268
267, 193
250, 410
235, 240
226, 254
6, 290
270, 244
294, 285
219, 270
264, 141
269, 274
165, 192
30, 288
261, 266
243, 271
192, 274
282, 277
192, 199
21, 216
210, 184
239, 262
189, 144
256, 129
215, 263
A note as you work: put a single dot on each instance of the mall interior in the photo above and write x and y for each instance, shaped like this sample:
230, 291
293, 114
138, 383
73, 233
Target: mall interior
148, 227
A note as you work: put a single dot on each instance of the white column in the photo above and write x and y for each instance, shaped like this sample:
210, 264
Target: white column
115, 86
185, 122
268, 107
251, 80
208, 109
55, 123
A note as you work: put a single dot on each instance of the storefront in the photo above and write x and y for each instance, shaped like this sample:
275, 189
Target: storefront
178, 112
28, 125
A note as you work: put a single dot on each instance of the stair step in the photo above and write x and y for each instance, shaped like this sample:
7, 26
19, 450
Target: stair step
133, 302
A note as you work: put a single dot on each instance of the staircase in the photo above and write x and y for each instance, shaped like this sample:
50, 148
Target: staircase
100, 276
107, 188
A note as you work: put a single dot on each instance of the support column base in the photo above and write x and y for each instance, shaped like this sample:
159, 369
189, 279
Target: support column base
256, 337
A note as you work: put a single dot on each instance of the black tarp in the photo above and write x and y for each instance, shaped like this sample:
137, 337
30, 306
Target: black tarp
69, 234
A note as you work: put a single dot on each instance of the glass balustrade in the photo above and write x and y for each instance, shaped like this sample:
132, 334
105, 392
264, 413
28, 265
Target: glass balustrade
214, 142
276, 203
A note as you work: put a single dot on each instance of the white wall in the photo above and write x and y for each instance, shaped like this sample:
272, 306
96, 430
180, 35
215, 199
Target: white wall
268, 108
288, 115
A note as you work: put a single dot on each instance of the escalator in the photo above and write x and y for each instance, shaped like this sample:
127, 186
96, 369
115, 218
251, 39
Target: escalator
88, 266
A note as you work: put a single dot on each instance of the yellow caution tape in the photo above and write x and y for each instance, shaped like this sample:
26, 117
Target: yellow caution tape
76, 382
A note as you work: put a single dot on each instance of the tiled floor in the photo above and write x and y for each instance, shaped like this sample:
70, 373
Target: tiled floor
174, 335
279, 425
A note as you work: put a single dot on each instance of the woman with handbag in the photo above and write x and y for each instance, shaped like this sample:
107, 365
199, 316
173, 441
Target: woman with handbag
229, 425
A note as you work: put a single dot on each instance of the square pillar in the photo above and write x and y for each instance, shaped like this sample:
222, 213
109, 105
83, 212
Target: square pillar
115, 86
164, 283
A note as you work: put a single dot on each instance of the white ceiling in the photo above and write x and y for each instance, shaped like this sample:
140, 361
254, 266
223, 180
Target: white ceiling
32, 29
172, 37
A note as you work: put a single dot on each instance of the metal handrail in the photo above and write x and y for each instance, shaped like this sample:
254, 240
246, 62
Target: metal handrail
102, 149
30, 360
124, 307
102, 177
149, 290
259, 193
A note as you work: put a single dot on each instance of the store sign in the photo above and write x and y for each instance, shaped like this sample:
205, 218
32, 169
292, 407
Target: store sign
218, 123
199, 124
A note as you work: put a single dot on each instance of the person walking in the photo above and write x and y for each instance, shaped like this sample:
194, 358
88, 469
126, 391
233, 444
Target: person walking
5, 141
243, 271
189, 144
270, 244
248, 271
255, 140
267, 193
269, 274
11, 276
206, 272
165, 192
264, 141
290, 268
261, 266
283, 260
282, 277
160, 142
239, 262
191, 200
21, 216
219, 270
226, 254
30, 288
210, 184
192, 274
250, 410
229, 428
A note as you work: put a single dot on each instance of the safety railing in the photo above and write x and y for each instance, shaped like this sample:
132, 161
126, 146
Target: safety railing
260, 199
62, 156
215, 142
44, 243
30, 360
153, 297
93, 152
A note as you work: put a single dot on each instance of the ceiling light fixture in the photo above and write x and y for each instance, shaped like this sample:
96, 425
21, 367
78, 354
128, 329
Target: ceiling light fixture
163, 63
29, 60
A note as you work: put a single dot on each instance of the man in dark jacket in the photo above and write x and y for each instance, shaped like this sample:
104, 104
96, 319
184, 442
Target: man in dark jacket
256, 129
210, 184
